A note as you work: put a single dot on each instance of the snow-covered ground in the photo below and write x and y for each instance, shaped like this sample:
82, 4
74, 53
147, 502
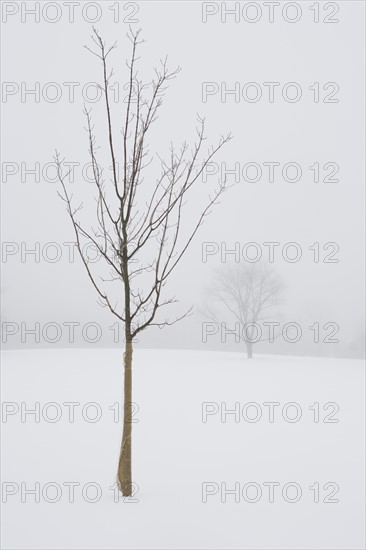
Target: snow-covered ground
180, 460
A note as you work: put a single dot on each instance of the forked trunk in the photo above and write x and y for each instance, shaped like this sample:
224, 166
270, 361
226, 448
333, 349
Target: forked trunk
124, 467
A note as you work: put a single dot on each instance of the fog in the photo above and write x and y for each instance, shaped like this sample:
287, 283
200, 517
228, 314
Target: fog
292, 134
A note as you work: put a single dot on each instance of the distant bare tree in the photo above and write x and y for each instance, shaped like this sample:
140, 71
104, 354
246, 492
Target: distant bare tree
139, 236
249, 292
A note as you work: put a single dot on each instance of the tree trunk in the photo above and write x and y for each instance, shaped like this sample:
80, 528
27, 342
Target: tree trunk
249, 350
124, 466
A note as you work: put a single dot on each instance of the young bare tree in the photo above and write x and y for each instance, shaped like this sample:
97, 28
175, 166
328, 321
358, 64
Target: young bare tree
249, 292
138, 229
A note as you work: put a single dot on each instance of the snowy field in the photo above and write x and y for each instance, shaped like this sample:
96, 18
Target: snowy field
182, 464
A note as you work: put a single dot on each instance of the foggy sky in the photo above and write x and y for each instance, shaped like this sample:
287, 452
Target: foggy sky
303, 132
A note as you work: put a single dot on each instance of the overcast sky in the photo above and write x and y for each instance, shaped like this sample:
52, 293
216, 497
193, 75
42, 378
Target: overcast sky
325, 63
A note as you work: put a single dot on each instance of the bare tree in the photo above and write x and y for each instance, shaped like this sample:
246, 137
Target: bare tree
249, 292
140, 240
